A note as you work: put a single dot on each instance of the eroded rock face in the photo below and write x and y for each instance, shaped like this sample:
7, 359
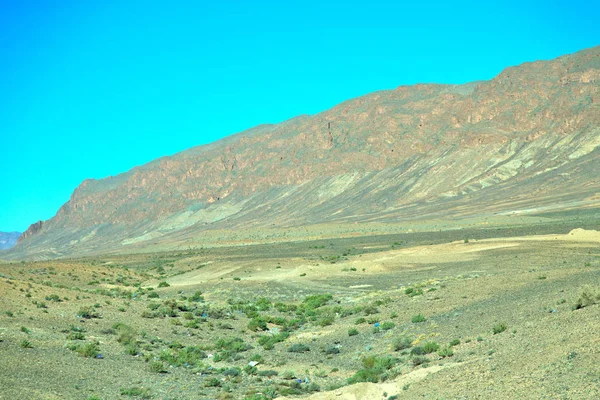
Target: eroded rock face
32, 230
531, 133
8, 239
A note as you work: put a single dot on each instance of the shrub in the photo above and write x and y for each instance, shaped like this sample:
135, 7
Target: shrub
359, 321
352, 332
269, 373
90, 350
419, 360
431, 347
418, 318
331, 350
163, 284
325, 320
370, 310
375, 369
268, 341
25, 330
402, 343
76, 336
138, 393
446, 351
499, 328
386, 326
588, 297
298, 348
258, 324
87, 313
156, 367
412, 292
25, 344
455, 342
153, 295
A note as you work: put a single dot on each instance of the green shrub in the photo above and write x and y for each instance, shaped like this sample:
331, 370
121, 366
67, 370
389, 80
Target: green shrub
89, 350
326, 320
25, 344
268, 373
402, 343
329, 350
455, 342
138, 393
76, 336
446, 351
359, 321
412, 292
163, 284
418, 318
298, 348
499, 328
375, 369
352, 332
430, 347
87, 313
153, 295
157, 367
25, 330
386, 326
258, 324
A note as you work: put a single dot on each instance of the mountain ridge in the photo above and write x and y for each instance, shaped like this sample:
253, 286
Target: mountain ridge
8, 239
376, 158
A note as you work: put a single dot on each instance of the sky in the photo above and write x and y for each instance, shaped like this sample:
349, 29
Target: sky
92, 89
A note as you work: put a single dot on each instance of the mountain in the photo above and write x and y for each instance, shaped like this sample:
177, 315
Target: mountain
526, 141
8, 239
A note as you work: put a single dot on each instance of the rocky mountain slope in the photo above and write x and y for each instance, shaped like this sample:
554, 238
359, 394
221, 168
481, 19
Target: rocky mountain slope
8, 239
526, 140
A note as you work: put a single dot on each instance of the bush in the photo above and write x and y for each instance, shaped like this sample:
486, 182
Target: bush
153, 295
588, 297
430, 347
90, 350
418, 318
163, 284
268, 373
25, 344
412, 292
419, 360
375, 369
446, 351
359, 321
331, 350
76, 336
455, 342
258, 324
499, 328
157, 367
402, 343
87, 313
386, 326
298, 348
352, 332
138, 393
325, 320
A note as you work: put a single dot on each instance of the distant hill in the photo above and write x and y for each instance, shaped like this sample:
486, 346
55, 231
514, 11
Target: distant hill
8, 239
527, 140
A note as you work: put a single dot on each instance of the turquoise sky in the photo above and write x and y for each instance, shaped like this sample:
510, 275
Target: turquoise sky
92, 89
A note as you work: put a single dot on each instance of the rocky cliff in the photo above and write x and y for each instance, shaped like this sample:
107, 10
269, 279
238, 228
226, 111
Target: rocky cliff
529, 138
